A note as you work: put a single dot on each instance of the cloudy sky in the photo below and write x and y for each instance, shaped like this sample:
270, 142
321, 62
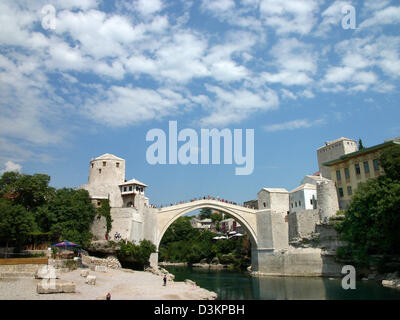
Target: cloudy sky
101, 74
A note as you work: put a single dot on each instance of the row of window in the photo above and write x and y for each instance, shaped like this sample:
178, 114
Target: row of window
105, 164
349, 192
357, 169
130, 188
294, 204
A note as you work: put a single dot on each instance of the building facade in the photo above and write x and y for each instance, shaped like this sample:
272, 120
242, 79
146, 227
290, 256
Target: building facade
333, 150
304, 197
349, 170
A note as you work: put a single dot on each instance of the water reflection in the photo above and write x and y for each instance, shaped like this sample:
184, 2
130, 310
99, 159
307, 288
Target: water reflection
230, 285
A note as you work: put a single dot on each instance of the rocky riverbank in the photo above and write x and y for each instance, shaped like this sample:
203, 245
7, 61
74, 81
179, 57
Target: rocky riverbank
122, 284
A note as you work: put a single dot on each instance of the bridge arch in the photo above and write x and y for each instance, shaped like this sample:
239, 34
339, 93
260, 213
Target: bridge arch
245, 216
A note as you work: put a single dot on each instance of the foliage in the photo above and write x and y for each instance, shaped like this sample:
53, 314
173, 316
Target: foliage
183, 243
138, 254
372, 221
360, 144
390, 162
70, 213
15, 222
105, 211
205, 213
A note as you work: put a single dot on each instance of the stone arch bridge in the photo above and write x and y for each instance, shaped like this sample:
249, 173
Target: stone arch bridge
267, 229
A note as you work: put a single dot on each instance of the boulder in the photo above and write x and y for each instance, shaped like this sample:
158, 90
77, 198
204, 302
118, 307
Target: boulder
91, 280
46, 272
55, 286
84, 273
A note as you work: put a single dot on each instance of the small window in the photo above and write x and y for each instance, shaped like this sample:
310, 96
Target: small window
311, 202
366, 167
130, 188
299, 203
265, 204
99, 170
341, 192
104, 163
376, 165
338, 175
125, 189
117, 164
92, 165
347, 173
358, 170
349, 191
99, 203
295, 204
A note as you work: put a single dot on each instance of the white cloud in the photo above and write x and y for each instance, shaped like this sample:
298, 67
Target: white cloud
11, 166
293, 125
295, 62
234, 106
290, 16
148, 7
332, 17
121, 106
218, 5
389, 15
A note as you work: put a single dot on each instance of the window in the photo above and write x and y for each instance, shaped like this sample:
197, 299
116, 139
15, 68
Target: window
299, 203
295, 203
98, 203
349, 191
265, 204
124, 189
104, 163
376, 164
292, 204
92, 165
117, 164
338, 175
130, 188
311, 202
366, 167
358, 170
347, 173
99, 170
341, 192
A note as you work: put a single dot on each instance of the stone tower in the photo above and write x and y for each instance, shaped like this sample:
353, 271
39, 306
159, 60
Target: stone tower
332, 151
328, 203
107, 169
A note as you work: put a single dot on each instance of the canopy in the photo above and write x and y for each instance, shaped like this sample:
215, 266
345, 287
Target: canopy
65, 244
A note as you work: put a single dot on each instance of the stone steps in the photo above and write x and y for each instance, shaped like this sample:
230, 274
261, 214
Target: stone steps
12, 275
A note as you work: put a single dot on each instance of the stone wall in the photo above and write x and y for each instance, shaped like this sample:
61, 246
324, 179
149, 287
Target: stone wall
110, 262
99, 227
302, 223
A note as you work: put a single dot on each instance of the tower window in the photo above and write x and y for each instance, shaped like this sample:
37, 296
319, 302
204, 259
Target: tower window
99, 170
265, 204
104, 163
117, 164
92, 165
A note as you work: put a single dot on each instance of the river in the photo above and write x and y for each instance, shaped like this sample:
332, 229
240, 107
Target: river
234, 285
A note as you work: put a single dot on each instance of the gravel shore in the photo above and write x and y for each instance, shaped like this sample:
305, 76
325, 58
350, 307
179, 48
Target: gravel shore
122, 284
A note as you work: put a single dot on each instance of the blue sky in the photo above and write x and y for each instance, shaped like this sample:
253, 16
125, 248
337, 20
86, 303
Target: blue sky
110, 71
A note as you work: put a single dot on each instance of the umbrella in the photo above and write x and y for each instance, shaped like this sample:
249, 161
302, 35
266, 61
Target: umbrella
65, 244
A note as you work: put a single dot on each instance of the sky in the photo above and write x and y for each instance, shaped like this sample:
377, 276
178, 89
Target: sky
81, 78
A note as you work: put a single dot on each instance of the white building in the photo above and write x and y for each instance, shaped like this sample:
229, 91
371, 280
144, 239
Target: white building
304, 197
201, 224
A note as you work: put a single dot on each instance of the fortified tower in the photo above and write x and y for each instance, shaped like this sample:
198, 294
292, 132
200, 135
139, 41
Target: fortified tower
107, 169
333, 150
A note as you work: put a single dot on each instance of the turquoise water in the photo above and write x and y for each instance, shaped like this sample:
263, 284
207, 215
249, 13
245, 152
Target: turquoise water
233, 285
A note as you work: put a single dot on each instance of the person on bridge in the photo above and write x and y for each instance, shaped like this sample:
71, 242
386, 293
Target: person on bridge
165, 280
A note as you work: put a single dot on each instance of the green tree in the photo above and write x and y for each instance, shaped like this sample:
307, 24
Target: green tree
69, 215
138, 255
360, 144
205, 213
390, 162
15, 223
